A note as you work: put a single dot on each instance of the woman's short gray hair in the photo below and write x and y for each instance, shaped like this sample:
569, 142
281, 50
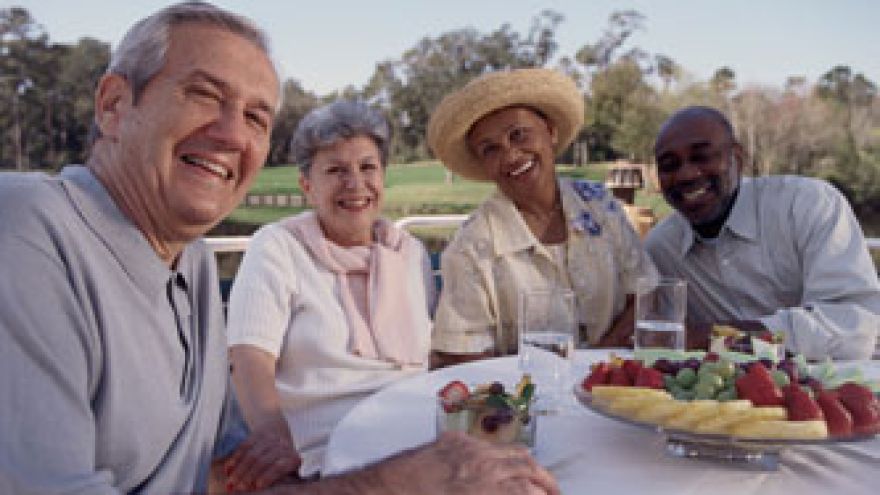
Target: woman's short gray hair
140, 55
342, 119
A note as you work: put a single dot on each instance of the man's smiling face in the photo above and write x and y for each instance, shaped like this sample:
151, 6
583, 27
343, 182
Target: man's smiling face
699, 166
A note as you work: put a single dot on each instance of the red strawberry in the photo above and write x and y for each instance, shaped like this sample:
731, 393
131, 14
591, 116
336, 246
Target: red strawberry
649, 377
453, 395
799, 404
618, 377
864, 407
632, 367
837, 417
599, 375
758, 387
854, 389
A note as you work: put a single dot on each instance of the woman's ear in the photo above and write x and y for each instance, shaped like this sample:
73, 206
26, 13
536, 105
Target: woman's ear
554, 133
112, 97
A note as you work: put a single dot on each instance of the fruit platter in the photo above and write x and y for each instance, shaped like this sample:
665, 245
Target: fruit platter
489, 411
732, 406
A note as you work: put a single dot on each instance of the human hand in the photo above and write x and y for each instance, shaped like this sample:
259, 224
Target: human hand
621, 332
460, 464
265, 457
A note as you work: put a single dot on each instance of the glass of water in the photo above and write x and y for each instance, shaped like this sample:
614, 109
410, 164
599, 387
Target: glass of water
660, 312
547, 327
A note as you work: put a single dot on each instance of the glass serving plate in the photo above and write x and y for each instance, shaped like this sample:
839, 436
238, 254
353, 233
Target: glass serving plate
755, 453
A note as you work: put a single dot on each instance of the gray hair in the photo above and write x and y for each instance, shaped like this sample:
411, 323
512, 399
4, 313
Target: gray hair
342, 119
140, 55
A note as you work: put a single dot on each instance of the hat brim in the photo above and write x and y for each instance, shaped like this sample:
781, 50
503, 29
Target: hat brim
552, 93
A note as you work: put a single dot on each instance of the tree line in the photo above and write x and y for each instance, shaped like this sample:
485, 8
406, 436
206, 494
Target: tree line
828, 128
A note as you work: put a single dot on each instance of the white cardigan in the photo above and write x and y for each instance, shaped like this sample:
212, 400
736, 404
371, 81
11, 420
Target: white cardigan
286, 304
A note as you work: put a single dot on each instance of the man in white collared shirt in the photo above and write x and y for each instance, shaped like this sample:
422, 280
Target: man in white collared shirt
772, 253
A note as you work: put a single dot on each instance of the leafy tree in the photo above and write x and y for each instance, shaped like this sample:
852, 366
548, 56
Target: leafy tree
410, 87
296, 103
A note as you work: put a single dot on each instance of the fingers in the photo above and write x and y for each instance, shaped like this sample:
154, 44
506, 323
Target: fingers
277, 469
524, 486
259, 462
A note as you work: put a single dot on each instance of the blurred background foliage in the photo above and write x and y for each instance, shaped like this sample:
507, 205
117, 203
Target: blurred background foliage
828, 128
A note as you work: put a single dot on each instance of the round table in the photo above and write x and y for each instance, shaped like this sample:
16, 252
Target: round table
588, 453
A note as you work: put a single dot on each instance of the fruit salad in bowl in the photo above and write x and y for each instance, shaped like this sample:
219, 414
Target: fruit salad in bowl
489, 411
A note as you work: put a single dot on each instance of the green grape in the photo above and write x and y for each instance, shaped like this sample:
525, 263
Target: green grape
669, 382
704, 390
686, 377
726, 394
712, 381
683, 394
726, 369
780, 378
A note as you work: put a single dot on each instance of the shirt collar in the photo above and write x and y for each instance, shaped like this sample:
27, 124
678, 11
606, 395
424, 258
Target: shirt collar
743, 219
742, 222
509, 232
127, 244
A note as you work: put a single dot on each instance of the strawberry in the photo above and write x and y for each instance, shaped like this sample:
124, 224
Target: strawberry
758, 387
453, 395
632, 367
854, 389
618, 376
863, 405
650, 378
799, 404
599, 375
837, 417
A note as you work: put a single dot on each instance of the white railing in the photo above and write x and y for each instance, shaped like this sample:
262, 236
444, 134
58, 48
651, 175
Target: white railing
430, 221
228, 244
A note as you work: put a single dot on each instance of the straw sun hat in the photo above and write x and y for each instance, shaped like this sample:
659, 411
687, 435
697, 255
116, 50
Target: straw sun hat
548, 91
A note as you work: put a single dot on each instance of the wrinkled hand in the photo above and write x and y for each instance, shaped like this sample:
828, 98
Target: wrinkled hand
464, 465
267, 456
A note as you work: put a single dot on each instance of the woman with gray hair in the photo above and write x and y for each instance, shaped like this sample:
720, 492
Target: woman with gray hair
328, 305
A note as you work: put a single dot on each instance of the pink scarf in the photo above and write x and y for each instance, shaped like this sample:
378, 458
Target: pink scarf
393, 313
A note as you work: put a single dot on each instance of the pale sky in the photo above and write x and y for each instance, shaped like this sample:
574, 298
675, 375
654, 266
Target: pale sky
329, 44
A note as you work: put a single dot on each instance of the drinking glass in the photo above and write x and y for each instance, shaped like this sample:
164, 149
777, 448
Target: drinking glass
547, 327
660, 311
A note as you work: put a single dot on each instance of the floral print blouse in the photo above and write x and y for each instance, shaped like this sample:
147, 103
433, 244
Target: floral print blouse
494, 256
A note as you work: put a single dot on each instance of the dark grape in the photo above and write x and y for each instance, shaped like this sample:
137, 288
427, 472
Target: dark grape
692, 363
790, 367
497, 388
665, 366
504, 415
768, 363
490, 423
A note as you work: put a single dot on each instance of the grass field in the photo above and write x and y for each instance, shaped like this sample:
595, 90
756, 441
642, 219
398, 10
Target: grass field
413, 189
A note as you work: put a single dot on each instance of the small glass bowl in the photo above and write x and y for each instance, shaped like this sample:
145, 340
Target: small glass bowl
488, 422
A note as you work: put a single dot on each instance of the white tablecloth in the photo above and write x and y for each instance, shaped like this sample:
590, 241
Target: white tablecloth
588, 453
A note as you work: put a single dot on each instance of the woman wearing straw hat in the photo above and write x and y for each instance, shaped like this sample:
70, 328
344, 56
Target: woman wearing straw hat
537, 231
